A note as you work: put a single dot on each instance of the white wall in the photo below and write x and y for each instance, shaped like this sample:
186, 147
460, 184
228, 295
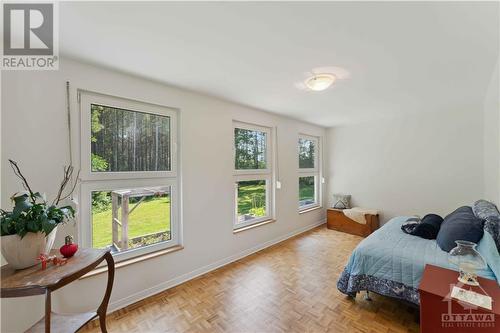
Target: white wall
492, 139
430, 162
34, 133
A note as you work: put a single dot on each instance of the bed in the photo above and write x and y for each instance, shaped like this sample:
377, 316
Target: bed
391, 263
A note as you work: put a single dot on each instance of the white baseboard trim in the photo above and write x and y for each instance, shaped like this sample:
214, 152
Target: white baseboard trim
121, 303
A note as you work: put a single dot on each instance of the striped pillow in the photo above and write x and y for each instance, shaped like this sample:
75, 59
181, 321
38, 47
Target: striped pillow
488, 212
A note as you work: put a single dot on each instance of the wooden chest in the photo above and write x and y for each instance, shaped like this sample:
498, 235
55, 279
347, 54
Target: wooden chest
336, 220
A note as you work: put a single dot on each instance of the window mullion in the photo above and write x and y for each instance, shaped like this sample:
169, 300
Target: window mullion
115, 133
309, 177
253, 187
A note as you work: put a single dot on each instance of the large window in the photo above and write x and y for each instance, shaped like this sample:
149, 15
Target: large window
129, 175
309, 172
252, 174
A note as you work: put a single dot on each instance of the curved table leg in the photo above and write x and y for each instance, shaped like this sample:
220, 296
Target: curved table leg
48, 310
101, 311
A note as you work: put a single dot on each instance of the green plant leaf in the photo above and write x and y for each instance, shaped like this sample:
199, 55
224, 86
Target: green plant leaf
68, 211
7, 226
48, 226
21, 228
31, 226
28, 215
21, 204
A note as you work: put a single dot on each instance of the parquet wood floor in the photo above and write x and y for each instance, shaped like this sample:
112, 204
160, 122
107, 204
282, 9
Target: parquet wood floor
290, 287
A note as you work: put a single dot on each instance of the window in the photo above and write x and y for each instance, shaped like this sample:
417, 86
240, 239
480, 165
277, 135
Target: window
128, 158
309, 172
252, 174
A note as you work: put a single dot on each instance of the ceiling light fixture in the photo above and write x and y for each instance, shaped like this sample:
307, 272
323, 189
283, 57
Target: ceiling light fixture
320, 82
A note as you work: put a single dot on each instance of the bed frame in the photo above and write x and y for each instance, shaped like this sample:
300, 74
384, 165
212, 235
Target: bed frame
336, 220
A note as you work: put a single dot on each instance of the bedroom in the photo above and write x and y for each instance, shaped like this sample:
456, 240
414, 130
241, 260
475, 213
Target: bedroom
243, 120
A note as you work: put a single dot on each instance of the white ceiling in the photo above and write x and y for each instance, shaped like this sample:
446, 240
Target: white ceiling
395, 58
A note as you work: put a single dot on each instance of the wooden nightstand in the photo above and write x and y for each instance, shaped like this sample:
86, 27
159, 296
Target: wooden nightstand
336, 220
440, 313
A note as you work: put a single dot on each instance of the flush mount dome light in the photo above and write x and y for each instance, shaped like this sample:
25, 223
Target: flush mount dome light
320, 82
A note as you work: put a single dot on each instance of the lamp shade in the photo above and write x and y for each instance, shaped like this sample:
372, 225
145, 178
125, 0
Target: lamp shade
320, 82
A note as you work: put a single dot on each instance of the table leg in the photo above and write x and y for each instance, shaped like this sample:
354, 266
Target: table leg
48, 311
103, 308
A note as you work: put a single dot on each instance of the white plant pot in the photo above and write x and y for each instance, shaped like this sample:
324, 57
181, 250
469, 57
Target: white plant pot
22, 252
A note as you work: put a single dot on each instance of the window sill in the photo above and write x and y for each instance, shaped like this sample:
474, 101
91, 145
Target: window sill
127, 262
235, 231
307, 210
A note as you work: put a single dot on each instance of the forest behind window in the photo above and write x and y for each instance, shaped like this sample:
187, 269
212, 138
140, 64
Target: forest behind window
250, 149
306, 153
124, 140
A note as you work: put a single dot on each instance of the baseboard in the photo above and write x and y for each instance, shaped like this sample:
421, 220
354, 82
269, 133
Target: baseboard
121, 303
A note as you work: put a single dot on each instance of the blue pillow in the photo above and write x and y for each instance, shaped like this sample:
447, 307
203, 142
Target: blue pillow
429, 227
462, 224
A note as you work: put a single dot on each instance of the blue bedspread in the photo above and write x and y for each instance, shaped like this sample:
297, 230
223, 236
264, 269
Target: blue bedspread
391, 262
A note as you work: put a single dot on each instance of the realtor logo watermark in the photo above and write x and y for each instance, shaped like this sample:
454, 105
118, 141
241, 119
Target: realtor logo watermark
30, 38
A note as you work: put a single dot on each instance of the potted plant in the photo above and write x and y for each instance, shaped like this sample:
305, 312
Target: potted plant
30, 228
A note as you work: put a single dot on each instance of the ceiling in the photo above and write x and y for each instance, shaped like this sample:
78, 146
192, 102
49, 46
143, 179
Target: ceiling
392, 58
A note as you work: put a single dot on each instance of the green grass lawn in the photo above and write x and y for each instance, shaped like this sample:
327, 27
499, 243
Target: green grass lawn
306, 188
306, 192
151, 216
252, 197
154, 215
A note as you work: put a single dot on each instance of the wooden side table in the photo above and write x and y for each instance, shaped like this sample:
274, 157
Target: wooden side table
440, 313
35, 281
336, 220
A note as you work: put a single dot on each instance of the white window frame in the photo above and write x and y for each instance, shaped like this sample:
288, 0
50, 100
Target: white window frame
311, 172
87, 98
108, 181
254, 174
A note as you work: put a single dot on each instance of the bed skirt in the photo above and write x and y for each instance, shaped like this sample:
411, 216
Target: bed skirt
351, 284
